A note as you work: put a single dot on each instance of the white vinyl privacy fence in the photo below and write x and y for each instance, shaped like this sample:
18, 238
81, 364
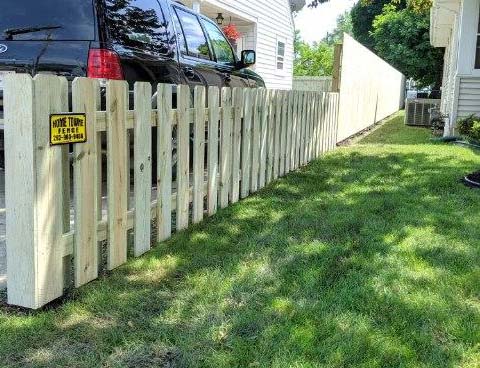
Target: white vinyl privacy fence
70, 214
370, 89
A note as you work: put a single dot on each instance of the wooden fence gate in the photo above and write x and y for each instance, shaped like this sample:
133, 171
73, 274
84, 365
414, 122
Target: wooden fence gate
67, 211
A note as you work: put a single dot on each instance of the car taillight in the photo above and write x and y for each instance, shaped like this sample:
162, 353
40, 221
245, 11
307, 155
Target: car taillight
104, 64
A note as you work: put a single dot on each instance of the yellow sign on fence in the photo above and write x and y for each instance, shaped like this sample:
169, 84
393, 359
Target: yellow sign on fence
68, 128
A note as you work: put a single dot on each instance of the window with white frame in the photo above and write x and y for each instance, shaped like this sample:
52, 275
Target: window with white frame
280, 59
477, 51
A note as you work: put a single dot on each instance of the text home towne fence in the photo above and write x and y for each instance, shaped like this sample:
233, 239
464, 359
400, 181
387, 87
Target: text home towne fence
71, 213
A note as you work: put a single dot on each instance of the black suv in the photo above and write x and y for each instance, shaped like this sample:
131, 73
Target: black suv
158, 41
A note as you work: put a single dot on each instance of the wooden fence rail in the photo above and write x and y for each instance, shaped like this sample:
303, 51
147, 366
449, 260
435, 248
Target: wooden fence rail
241, 140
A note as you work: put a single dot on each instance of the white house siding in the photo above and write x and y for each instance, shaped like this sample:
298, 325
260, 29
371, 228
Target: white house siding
468, 96
449, 84
461, 82
274, 21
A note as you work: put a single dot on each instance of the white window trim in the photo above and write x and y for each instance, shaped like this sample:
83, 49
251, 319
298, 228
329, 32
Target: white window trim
280, 72
476, 34
467, 42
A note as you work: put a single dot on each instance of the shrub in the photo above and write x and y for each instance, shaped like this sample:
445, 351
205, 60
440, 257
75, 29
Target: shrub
465, 125
475, 131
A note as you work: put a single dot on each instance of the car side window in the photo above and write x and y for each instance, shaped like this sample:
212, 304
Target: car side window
196, 42
140, 24
182, 44
221, 47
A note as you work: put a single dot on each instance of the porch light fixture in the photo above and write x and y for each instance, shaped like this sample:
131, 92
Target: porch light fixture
220, 19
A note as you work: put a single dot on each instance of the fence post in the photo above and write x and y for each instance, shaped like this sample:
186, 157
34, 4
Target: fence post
34, 202
337, 67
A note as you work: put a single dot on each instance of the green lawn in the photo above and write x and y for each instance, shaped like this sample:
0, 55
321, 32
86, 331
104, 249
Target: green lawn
368, 257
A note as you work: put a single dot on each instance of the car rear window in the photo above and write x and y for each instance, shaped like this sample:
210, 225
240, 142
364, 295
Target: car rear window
52, 19
138, 24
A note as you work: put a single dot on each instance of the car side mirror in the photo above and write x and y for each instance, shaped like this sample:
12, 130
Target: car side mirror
249, 58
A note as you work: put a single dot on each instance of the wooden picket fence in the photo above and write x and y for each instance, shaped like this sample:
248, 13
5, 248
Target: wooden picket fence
242, 141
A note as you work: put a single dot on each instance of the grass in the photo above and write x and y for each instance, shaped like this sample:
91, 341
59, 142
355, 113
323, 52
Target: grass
368, 257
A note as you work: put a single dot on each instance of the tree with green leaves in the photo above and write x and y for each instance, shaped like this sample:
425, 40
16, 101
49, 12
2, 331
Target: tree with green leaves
344, 25
317, 59
398, 31
401, 37
313, 60
363, 14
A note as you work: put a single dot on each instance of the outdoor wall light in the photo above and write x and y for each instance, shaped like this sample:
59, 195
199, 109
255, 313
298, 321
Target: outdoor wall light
220, 19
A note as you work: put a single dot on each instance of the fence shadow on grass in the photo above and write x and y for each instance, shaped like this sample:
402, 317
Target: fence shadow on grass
360, 259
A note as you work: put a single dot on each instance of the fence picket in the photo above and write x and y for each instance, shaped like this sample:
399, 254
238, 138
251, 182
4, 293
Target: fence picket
319, 125
143, 166
246, 143
283, 134
256, 131
199, 155
66, 200
213, 141
263, 138
164, 162
183, 160
308, 128
278, 129
293, 160
336, 119
117, 167
324, 123
289, 128
226, 147
84, 98
318, 115
311, 98
299, 129
313, 128
236, 143
332, 116
271, 135
306, 108
330, 123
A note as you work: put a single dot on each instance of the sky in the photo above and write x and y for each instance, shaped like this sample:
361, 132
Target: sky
315, 23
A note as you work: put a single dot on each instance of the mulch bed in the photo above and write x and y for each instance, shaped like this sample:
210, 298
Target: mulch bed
473, 180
